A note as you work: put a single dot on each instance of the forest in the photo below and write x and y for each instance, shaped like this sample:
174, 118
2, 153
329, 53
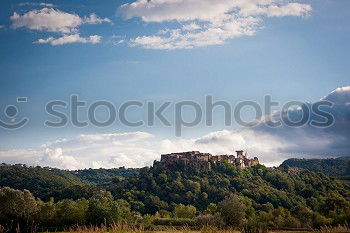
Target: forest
153, 197
335, 167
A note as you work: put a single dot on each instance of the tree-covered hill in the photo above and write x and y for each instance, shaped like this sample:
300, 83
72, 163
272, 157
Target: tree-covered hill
51, 182
42, 182
339, 167
102, 175
271, 197
265, 189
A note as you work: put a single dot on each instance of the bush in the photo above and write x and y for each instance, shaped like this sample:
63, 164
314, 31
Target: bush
182, 211
16, 205
232, 211
209, 220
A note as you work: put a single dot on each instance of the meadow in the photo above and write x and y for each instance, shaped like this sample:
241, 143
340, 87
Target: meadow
206, 229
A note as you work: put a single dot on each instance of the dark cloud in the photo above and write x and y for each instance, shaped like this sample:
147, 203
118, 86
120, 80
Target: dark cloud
333, 140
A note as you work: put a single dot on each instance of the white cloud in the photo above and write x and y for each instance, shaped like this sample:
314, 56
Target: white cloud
69, 39
27, 156
131, 136
53, 20
137, 149
94, 19
291, 9
43, 4
47, 19
212, 35
218, 20
208, 10
191, 27
55, 158
46, 4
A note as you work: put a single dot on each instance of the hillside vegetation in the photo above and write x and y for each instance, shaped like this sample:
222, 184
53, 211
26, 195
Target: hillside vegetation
50, 182
102, 175
339, 167
226, 196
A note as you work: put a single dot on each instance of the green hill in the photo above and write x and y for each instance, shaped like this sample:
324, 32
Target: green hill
42, 182
271, 197
339, 167
262, 185
102, 175
60, 184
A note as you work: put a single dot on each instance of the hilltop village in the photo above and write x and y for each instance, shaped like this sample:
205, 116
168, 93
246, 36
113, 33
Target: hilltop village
200, 160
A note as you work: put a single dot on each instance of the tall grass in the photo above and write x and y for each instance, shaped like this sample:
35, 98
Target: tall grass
338, 229
114, 228
137, 228
212, 229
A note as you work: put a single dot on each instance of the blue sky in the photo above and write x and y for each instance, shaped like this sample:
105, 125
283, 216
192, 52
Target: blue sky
122, 50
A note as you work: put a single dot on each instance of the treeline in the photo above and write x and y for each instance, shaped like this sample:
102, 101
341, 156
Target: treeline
46, 183
99, 176
19, 209
22, 212
338, 167
225, 196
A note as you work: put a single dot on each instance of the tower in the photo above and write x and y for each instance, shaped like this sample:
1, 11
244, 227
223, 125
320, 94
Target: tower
240, 154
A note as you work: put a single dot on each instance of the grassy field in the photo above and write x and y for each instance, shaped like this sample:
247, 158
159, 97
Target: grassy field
226, 231
118, 229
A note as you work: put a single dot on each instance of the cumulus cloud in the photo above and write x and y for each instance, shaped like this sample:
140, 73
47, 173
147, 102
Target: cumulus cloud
56, 21
217, 21
207, 10
183, 39
47, 19
55, 158
137, 149
53, 20
94, 19
69, 39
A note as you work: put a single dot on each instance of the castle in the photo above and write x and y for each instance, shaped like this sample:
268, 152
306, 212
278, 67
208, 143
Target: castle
204, 160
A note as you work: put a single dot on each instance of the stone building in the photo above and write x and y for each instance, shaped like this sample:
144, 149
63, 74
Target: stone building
200, 160
188, 159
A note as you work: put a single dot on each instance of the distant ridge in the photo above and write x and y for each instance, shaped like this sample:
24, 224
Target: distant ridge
335, 167
52, 182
